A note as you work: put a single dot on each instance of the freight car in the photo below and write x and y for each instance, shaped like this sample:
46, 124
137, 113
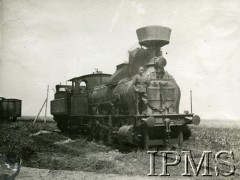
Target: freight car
118, 108
10, 109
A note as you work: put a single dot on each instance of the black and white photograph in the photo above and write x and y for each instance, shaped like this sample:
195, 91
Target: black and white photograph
119, 89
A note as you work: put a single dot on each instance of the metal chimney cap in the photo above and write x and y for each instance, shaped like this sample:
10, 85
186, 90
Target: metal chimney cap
153, 36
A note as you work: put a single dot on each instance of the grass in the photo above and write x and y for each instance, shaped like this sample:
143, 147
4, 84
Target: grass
220, 123
80, 154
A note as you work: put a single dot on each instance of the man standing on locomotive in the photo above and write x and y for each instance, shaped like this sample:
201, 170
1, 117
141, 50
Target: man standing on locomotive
139, 86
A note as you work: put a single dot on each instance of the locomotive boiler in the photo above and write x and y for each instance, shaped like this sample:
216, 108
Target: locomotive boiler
109, 108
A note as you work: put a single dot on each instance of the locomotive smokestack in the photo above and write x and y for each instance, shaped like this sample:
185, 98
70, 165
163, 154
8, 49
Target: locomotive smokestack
154, 37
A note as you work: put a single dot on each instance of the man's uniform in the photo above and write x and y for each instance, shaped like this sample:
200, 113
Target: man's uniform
139, 86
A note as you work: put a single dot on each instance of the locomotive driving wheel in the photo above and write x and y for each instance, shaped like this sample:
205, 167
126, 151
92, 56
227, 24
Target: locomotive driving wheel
180, 139
61, 125
109, 138
94, 132
102, 134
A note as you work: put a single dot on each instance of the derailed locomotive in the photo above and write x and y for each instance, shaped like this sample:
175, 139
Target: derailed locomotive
108, 108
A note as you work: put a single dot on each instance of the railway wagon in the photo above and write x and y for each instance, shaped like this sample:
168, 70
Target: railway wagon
10, 109
109, 107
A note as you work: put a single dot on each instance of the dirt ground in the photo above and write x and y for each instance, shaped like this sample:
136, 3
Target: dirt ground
45, 174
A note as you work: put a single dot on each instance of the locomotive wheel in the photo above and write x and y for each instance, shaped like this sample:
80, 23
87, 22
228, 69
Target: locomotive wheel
180, 139
62, 125
109, 138
102, 134
89, 134
186, 132
94, 132
13, 119
59, 124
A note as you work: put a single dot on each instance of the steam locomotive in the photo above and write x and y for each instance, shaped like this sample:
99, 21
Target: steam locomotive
106, 107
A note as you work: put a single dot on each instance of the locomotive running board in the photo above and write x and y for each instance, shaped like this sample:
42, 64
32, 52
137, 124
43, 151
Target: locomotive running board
143, 116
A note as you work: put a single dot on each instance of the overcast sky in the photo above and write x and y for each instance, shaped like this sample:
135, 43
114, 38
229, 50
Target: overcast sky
44, 42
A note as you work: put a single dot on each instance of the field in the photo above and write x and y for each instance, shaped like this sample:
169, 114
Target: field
39, 119
43, 146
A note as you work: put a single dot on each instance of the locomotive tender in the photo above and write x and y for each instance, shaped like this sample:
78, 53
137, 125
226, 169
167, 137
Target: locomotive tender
106, 107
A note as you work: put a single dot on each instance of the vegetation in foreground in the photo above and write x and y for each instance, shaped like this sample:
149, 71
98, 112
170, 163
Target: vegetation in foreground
46, 150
